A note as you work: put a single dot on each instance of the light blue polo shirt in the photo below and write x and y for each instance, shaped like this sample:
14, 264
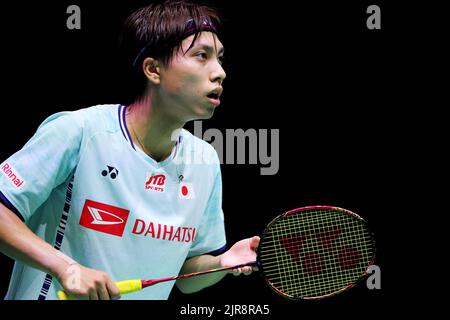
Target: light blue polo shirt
83, 186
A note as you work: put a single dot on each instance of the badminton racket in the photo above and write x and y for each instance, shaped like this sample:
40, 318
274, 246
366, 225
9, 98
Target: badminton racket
311, 252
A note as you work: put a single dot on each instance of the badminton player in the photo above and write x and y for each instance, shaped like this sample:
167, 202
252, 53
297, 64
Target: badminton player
115, 192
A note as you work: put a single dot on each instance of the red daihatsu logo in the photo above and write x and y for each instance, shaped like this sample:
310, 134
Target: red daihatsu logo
104, 218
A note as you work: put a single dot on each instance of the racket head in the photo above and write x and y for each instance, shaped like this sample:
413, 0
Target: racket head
315, 252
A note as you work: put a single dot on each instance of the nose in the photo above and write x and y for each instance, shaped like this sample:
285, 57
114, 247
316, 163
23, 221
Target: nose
218, 74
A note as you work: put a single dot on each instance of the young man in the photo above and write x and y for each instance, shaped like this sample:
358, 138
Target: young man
114, 192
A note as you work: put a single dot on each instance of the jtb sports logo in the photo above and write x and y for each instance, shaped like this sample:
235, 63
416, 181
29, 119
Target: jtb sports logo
156, 183
104, 218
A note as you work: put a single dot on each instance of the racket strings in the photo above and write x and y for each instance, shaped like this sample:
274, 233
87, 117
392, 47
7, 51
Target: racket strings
292, 243
313, 262
314, 253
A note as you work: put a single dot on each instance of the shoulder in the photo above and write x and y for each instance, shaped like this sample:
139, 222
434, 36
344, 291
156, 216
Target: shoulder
100, 117
90, 119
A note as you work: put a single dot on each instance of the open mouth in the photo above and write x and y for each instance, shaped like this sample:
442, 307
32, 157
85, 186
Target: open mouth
214, 96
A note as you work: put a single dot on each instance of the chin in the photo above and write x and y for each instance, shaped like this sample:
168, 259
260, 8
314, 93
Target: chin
204, 114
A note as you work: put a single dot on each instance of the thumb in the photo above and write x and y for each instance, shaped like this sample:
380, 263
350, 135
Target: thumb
254, 242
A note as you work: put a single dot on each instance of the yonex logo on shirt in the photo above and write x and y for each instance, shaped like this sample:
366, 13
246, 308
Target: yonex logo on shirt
156, 183
104, 218
13, 176
113, 172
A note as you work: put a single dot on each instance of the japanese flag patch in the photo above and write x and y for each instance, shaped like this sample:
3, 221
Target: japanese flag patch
186, 191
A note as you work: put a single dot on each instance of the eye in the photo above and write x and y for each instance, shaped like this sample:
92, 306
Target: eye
201, 55
220, 58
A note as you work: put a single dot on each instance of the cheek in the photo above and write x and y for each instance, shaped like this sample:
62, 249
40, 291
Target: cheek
182, 83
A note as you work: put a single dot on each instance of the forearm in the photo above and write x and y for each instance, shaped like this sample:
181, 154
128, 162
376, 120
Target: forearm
19, 243
196, 264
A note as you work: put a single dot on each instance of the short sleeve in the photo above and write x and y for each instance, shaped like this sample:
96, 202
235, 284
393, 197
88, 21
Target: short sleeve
28, 177
210, 235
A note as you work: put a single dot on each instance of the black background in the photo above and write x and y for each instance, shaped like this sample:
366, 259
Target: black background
340, 95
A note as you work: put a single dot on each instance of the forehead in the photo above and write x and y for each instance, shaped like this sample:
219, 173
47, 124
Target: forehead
204, 39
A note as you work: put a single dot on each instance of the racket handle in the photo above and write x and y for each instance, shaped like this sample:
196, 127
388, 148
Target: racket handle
127, 286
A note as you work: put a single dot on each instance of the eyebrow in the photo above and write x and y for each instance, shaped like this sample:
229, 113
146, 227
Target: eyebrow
207, 48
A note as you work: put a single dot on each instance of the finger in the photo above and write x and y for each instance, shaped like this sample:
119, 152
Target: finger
103, 293
93, 294
247, 270
236, 271
116, 297
243, 270
254, 242
113, 290
81, 296
255, 268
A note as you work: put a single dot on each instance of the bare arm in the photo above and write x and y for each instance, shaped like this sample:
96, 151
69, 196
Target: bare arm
241, 252
18, 242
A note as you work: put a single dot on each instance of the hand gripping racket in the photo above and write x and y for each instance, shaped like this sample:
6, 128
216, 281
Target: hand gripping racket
306, 253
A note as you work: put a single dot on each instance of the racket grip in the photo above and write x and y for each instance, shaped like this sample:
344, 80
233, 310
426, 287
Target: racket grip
127, 286
62, 295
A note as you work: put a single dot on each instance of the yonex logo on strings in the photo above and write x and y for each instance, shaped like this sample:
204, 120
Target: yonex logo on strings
313, 262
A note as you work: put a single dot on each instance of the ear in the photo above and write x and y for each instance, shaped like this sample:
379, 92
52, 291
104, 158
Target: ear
151, 70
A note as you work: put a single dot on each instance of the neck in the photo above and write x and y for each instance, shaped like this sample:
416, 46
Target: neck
152, 129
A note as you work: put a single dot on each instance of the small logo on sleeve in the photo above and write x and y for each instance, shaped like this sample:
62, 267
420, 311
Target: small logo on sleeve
104, 218
13, 176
